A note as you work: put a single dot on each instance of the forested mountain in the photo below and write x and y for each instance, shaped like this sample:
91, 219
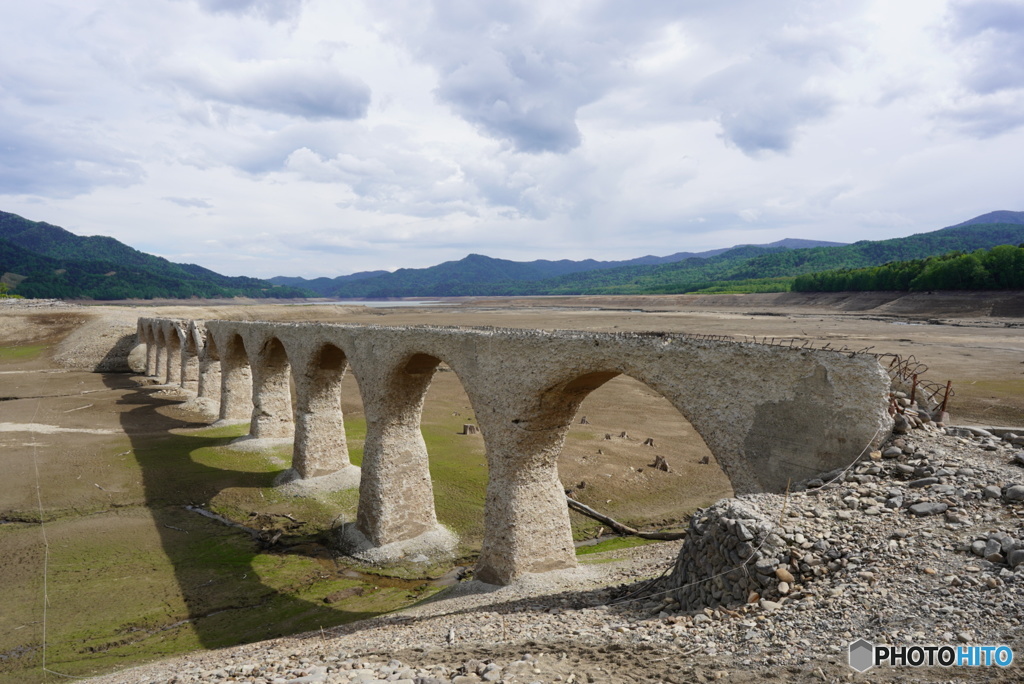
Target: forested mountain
41, 260
476, 273
747, 268
999, 268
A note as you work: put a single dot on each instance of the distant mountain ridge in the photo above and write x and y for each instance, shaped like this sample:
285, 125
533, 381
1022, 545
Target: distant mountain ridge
38, 259
994, 217
479, 268
41, 260
478, 275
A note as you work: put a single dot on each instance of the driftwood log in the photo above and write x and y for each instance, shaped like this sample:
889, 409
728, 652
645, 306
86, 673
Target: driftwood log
617, 526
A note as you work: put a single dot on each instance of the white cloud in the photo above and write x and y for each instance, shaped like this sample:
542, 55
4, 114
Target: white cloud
320, 137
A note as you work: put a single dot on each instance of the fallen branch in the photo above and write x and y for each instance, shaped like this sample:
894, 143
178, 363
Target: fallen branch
619, 527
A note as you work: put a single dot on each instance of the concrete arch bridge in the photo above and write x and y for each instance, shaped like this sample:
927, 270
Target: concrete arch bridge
769, 414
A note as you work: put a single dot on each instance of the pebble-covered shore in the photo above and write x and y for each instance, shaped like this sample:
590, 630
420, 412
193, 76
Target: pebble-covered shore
922, 542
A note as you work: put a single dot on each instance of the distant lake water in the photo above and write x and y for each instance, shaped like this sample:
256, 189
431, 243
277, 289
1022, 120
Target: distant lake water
390, 304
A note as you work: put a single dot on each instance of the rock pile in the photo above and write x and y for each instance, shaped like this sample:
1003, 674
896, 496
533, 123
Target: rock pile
733, 555
749, 550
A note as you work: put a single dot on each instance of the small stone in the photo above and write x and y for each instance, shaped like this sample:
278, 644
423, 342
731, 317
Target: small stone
928, 508
784, 575
1014, 493
769, 606
892, 452
991, 492
923, 482
1015, 558
784, 588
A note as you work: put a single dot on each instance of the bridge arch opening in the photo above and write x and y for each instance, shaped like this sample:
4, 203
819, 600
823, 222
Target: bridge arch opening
631, 454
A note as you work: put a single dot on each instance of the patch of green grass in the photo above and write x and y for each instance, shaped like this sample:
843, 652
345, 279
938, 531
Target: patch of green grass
458, 468
139, 592
614, 544
220, 431
25, 352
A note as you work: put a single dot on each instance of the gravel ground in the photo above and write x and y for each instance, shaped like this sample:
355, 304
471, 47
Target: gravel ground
901, 535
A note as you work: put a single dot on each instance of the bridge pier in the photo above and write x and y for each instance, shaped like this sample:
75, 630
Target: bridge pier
151, 353
172, 362
189, 369
526, 519
396, 496
271, 393
235, 382
159, 354
320, 444
208, 385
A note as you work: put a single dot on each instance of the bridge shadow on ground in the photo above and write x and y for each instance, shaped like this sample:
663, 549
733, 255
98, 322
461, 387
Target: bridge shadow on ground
236, 586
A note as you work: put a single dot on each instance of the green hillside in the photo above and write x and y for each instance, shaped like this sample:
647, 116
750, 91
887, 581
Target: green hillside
748, 268
999, 268
40, 260
467, 275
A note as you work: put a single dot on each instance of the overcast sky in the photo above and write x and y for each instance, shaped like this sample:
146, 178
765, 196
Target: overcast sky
323, 137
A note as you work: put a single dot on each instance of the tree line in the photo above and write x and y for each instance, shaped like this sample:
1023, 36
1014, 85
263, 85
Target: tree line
998, 268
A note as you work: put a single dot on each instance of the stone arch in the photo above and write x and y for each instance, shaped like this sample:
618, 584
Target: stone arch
236, 380
271, 392
527, 520
320, 444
